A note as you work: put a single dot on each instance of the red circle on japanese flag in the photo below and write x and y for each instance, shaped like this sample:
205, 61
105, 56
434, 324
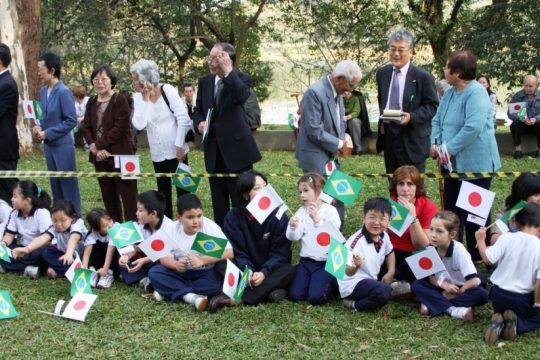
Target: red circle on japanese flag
79, 305
231, 279
264, 202
29, 109
475, 199
77, 266
425, 263
157, 245
323, 239
130, 166
517, 107
329, 166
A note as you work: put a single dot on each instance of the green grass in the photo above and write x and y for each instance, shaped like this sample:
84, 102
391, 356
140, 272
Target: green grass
126, 324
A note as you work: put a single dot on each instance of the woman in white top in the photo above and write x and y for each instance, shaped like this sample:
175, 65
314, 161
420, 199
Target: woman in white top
160, 110
485, 82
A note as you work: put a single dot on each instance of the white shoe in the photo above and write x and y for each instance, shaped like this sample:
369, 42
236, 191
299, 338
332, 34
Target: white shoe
400, 288
462, 313
146, 285
349, 304
106, 281
157, 296
94, 278
32, 272
200, 302
51, 274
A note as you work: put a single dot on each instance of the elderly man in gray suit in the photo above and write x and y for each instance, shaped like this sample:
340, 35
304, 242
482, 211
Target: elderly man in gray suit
322, 128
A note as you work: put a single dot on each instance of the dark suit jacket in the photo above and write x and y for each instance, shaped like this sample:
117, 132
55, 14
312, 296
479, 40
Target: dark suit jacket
117, 137
230, 134
420, 100
9, 103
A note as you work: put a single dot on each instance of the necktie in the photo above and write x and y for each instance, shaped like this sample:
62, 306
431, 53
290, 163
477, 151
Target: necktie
393, 103
338, 122
217, 91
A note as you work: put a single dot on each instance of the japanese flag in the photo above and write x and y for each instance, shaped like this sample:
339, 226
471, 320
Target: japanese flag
75, 265
514, 108
318, 239
78, 307
330, 166
264, 203
232, 277
475, 199
28, 109
129, 166
425, 263
156, 246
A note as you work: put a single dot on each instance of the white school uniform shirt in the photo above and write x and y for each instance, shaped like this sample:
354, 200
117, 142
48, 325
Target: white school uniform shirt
94, 236
5, 210
60, 239
327, 213
27, 228
371, 265
183, 242
458, 263
517, 256
165, 130
166, 223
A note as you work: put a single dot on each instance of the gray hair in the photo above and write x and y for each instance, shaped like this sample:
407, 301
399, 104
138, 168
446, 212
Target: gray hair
443, 85
347, 69
402, 35
147, 71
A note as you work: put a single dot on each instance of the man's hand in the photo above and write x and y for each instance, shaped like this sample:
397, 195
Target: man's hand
405, 118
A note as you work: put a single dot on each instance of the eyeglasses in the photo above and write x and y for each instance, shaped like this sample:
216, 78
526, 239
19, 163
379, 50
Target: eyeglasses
102, 80
380, 219
398, 50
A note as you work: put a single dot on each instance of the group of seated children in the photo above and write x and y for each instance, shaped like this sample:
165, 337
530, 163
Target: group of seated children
49, 242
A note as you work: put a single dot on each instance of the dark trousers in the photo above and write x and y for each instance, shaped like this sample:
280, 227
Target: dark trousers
403, 271
18, 265
7, 184
522, 304
117, 194
312, 282
61, 157
519, 128
395, 154
51, 255
173, 285
354, 127
164, 184
451, 192
98, 254
134, 277
370, 294
432, 297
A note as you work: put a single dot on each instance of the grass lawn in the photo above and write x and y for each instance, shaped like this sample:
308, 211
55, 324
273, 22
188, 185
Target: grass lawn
124, 323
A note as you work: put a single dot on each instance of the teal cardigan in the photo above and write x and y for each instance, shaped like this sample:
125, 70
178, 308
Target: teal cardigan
465, 122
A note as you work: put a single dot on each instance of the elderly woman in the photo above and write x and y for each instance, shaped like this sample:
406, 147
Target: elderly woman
464, 122
107, 130
407, 188
160, 110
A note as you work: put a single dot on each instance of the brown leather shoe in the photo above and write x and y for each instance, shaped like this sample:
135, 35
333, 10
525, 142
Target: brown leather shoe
218, 301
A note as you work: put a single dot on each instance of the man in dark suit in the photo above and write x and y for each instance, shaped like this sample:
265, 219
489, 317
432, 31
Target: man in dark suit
9, 141
403, 86
229, 146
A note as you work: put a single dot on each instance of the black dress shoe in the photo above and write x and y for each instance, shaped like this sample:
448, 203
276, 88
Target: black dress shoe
518, 154
218, 301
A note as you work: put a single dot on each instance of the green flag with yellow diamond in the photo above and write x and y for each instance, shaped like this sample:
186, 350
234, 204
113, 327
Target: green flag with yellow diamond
81, 282
5, 253
336, 263
513, 211
242, 284
186, 181
209, 245
7, 310
342, 187
125, 234
401, 219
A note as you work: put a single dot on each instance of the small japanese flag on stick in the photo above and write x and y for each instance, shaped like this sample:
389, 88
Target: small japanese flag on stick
264, 203
76, 309
425, 263
318, 239
75, 265
515, 108
156, 246
129, 166
475, 199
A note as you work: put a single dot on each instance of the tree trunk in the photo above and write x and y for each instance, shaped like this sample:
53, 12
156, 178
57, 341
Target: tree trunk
10, 35
29, 27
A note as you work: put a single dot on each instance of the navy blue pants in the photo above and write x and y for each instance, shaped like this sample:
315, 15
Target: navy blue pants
61, 157
432, 297
51, 256
173, 285
312, 282
18, 265
134, 277
522, 304
370, 294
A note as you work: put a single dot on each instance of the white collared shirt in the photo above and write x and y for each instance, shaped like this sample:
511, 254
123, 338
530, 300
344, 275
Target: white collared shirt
337, 103
401, 78
3, 71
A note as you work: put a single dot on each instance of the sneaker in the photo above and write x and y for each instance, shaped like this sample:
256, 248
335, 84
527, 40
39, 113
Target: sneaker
32, 272
200, 302
106, 281
278, 295
494, 330
51, 274
146, 285
349, 304
400, 288
518, 154
94, 278
157, 296
218, 302
462, 313
424, 310
509, 331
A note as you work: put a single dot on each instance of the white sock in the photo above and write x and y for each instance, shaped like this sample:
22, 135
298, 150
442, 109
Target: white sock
189, 298
450, 310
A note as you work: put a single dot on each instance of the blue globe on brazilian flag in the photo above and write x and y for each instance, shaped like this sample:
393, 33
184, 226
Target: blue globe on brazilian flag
336, 263
81, 282
184, 180
209, 245
125, 234
4, 254
7, 310
342, 187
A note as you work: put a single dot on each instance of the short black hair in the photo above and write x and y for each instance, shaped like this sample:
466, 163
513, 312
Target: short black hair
525, 185
152, 200
462, 63
246, 182
52, 61
5, 55
378, 204
108, 71
67, 207
186, 85
229, 49
93, 218
188, 202
529, 215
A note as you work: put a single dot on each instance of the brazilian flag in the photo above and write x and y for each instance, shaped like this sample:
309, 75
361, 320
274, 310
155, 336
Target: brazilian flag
242, 284
342, 187
209, 245
336, 263
81, 282
4, 254
185, 181
7, 310
513, 211
125, 234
